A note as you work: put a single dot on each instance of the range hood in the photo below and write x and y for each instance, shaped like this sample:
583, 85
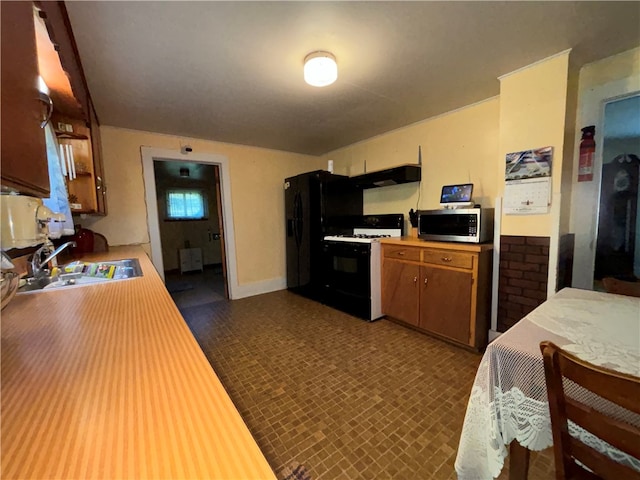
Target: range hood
390, 176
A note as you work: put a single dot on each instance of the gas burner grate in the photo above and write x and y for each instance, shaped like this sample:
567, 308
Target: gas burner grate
363, 235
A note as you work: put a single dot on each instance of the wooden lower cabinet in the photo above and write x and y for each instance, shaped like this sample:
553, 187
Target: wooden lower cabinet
443, 291
445, 302
400, 294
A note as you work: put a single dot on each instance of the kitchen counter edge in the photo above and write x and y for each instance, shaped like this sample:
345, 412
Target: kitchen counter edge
107, 381
416, 242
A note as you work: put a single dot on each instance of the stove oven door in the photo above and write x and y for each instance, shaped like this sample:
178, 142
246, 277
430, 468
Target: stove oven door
347, 277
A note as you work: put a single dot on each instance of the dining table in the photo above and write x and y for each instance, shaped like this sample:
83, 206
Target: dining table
508, 410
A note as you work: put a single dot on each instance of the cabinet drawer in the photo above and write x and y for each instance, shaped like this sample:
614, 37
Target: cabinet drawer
402, 253
444, 257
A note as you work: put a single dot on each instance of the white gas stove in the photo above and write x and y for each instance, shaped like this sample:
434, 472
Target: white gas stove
366, 235
352, 266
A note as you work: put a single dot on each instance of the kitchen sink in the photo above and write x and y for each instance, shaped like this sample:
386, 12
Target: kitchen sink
80, 274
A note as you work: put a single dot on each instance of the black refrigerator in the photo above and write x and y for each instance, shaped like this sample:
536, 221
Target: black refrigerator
316, 204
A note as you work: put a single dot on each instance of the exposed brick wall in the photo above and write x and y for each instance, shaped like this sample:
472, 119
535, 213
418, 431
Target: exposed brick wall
524, 263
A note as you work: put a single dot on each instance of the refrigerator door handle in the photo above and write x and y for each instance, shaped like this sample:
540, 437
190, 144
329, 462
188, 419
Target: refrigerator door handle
299, 223
294, 222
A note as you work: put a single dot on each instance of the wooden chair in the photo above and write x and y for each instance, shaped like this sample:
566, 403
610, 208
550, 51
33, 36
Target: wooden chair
621, 287
619, 388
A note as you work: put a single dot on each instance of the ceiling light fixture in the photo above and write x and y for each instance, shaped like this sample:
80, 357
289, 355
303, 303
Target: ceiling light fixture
184, 172
320, 69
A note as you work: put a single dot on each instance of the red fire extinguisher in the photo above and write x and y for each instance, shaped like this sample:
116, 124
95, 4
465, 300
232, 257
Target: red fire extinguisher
587, 153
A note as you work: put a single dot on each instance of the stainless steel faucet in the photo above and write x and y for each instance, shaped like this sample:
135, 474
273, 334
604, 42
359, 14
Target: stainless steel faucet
37, 264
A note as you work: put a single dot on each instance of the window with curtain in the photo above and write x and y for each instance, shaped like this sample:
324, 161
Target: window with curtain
186, 204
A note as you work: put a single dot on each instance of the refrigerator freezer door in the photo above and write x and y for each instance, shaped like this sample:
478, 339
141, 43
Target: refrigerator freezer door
292, 240
316, 204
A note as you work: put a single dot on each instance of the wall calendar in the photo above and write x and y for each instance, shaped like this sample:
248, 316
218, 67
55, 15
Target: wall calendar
527, 188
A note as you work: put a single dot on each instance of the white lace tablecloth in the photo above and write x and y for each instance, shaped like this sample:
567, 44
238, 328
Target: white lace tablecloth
509, 397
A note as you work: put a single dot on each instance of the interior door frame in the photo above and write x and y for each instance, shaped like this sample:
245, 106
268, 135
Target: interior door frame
600, 160
149, 155
585, 196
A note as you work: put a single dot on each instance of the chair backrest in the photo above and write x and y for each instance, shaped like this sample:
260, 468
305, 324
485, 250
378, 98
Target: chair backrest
618, 388
621, 287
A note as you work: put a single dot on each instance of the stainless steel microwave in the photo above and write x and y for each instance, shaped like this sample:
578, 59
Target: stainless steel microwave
470, 225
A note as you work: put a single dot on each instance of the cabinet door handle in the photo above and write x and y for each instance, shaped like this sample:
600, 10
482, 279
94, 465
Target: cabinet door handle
446, 259
99, 183
426, 280
415, 279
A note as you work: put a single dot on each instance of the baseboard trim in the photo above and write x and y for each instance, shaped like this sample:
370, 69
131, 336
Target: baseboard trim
258, 288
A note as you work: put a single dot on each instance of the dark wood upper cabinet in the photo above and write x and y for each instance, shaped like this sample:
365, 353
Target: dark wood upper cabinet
37, 40
72, 99
23, 150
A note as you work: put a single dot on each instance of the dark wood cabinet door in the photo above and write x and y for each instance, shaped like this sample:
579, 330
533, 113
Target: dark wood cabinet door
24, 158
400, 294
445, 302
60, 33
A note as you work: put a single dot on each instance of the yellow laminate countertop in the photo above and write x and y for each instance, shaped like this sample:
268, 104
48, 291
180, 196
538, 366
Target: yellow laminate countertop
106, 381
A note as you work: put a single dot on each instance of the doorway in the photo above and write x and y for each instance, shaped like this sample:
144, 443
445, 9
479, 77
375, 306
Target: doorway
618, 238
220, 189
191, 231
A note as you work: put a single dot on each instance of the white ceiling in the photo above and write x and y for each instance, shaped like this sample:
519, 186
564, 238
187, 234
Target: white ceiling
232, 71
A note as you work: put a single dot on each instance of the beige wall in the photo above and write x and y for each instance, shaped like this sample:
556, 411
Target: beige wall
570, 133
458, 147
469, 144
623, 67
256, 188
536, 108
533, 104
